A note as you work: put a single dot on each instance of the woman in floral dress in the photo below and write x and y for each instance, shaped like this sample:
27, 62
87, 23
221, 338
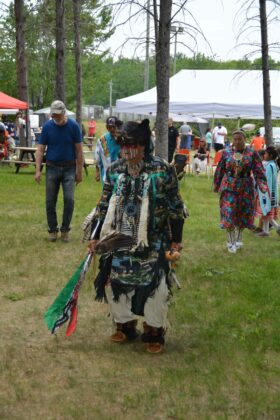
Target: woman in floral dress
234, 181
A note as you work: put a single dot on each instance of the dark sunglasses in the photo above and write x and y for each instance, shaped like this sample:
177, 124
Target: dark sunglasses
129, 141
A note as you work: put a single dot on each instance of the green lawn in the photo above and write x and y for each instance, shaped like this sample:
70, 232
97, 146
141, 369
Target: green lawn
222, 356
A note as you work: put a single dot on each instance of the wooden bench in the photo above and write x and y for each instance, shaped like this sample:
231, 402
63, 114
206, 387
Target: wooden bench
90, 161
22, 163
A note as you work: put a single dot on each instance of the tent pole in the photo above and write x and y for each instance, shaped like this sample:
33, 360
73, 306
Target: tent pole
27, 127
213, 122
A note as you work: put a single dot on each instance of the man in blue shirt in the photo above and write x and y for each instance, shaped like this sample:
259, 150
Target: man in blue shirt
62, 139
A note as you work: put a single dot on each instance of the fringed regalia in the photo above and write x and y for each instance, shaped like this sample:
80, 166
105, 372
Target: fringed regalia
267, 205
147, 210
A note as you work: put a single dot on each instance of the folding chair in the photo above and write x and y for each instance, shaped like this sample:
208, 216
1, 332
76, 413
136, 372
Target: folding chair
216, 160
181, 162
186, 153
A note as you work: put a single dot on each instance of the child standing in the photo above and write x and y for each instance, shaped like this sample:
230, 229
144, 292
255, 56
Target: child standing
208, 138
267, 205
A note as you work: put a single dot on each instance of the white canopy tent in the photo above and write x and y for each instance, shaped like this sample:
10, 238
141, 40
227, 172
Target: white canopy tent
210, 93
186, 118
7, 111
46, 111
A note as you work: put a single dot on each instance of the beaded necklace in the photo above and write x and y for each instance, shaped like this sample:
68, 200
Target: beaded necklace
134, 169
238, 161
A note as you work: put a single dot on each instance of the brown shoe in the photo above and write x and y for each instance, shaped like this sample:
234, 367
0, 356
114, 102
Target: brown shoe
126, 331
153, 338
65, 236
154, 348
118, 337
52, 236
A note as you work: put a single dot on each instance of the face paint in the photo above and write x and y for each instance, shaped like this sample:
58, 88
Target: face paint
132, 152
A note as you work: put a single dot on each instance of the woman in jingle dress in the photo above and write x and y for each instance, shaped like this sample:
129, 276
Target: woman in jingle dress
234, 181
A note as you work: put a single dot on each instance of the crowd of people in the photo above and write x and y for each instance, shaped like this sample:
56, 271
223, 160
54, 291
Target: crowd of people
137, 225
246, 178
242, 197
7, 144
13, 134
14, 129
10, 134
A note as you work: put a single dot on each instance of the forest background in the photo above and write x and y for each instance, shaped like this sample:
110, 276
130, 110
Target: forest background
99, 68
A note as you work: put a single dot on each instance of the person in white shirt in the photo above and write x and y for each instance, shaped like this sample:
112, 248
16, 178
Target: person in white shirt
219, 135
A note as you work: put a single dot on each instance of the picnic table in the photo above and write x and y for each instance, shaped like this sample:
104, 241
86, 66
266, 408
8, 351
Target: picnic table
26, 157
27, 153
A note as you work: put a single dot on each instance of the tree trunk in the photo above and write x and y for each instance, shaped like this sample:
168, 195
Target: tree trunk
162, 31
21, 65
265, 72
20, 51
77, 48
60, 51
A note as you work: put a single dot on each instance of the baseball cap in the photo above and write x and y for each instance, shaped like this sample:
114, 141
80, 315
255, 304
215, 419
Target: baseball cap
2, 127
57, 107
113, 121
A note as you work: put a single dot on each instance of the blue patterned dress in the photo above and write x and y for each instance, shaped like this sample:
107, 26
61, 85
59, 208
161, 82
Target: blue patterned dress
234, 180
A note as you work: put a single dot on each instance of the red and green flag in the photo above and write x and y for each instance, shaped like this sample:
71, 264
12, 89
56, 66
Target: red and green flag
65, 306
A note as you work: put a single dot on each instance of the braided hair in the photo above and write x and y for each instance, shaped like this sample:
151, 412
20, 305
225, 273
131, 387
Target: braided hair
274, 154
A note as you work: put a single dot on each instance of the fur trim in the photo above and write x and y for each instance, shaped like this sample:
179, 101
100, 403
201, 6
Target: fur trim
142, 238
87, 225
111, 212
110, 217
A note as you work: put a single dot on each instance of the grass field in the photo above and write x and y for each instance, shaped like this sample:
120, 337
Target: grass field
222, 356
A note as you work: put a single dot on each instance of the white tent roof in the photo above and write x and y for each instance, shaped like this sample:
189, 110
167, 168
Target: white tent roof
208, 93
8, 111
185, 118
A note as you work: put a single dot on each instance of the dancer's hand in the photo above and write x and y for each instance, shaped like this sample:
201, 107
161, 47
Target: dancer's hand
174, 253
176, 246
93, 244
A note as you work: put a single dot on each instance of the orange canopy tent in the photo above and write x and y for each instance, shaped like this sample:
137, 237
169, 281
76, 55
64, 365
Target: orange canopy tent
7, 102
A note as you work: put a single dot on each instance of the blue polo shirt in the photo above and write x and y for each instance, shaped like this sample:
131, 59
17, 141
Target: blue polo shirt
60, 140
